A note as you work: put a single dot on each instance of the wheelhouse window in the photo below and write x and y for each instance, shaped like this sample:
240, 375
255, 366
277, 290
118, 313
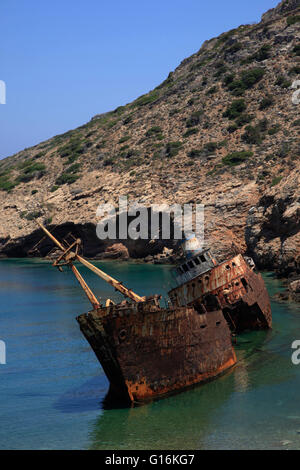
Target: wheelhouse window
190, 264
185, 268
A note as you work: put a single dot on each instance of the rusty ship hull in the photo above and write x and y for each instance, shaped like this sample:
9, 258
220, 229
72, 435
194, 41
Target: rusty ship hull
147, 351
241, 292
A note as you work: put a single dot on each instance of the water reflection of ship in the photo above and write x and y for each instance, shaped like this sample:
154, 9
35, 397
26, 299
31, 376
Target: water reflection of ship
184, 420
259, 365
180, 421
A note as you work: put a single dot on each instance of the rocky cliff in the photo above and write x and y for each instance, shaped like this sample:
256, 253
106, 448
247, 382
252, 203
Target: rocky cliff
220, 130
273, 227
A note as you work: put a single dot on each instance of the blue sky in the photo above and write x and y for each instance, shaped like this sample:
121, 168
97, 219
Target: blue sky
65, 61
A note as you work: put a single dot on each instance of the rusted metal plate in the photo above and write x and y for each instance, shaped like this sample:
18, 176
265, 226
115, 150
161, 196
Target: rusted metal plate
147, 351
241, 293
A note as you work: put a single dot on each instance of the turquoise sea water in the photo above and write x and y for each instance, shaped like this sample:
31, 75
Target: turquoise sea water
52, 387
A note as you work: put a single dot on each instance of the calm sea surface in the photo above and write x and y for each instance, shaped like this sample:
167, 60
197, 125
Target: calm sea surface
52, 387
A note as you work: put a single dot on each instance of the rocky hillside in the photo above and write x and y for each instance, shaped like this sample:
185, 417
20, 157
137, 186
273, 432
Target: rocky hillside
220, 130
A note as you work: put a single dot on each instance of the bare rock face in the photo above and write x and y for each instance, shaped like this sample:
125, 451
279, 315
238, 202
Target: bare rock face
295, 287
286, 6
116, 251
273, 227
294, 291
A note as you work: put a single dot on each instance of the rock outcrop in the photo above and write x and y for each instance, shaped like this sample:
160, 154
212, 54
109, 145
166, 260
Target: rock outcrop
294, 290
273, 227
286, 6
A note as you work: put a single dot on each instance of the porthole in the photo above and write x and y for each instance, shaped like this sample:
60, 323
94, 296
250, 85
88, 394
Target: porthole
122, 334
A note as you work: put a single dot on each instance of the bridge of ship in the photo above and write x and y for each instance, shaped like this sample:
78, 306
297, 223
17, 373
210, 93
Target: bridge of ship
228, 281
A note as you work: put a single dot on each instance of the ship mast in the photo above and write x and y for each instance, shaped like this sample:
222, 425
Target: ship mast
68, 256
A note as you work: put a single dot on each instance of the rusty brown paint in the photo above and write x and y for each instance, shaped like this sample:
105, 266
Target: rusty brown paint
147, 351
144, 391
92, 298
241, 292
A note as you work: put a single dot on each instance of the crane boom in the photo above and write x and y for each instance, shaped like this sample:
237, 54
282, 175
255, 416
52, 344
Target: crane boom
69, 255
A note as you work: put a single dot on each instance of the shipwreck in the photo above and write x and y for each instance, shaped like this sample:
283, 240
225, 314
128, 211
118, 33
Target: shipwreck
148, 351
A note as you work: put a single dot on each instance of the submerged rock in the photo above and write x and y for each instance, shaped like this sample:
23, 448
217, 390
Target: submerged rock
294, 290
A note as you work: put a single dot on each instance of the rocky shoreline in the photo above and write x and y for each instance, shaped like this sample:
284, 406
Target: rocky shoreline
118, 252
291, 292
157, 254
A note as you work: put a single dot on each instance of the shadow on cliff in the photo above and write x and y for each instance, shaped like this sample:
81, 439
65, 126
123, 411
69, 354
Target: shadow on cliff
36, 244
